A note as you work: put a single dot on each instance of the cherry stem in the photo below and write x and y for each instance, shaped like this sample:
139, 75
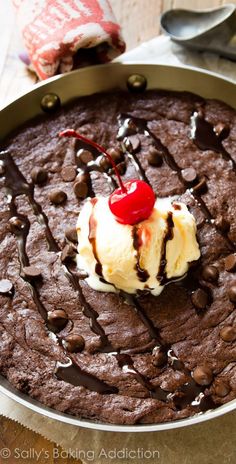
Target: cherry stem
73, 133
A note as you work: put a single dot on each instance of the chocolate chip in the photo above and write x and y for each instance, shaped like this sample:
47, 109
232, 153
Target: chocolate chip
221, 389
232, 293
39, 175
57, 197
80, 187
201, 186
31, 272
210, 273
116, 154
83, 177
189, 175
74, 343
105, 163
202, 375
68, 253
228, 333
68, 173
132, 143
121, 168
222, 130
222, 224
199, 298
16, 225
85, 156
159, 356
57, 319
230, 263
154, 157
5, 286
71, 234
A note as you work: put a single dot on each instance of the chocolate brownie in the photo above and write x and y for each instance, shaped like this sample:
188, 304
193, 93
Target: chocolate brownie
109, 357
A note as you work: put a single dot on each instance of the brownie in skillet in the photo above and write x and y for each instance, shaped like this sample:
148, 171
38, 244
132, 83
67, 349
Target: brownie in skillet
113, 357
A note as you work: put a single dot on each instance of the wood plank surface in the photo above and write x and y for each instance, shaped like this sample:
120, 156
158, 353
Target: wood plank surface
140, 22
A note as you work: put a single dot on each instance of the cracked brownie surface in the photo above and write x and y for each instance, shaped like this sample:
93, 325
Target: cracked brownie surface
113, 357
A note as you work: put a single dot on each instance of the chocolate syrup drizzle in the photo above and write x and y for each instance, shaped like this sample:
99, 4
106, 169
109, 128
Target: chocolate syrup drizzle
135, 161
203, 135
206, 138
190, 393
142, 274
89, 312
92, 239
16, 185
126, 363
161, 276
73, 374
185, 395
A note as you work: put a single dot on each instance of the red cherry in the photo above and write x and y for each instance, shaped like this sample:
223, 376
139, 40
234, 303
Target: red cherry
133, 206
133, 201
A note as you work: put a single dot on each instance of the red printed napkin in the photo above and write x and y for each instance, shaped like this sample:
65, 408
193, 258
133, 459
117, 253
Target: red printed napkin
61, 35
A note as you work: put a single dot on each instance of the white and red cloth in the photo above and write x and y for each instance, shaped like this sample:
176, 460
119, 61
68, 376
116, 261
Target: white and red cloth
61, 35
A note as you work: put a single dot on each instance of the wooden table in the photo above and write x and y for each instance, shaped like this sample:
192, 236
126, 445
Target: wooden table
140, 22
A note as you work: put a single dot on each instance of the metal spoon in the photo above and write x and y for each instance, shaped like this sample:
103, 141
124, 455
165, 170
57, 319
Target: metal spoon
211, 30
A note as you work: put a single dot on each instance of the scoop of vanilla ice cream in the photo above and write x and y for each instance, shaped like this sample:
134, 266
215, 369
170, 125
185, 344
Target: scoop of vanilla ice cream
135, 257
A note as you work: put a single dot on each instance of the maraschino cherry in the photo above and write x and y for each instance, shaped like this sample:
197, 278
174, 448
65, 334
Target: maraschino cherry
134, 200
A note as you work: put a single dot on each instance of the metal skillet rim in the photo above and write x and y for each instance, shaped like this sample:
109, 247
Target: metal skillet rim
125, 69
39, 408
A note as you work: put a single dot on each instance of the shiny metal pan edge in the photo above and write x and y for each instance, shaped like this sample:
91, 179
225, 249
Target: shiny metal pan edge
101, 78
38, 407
87, 81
